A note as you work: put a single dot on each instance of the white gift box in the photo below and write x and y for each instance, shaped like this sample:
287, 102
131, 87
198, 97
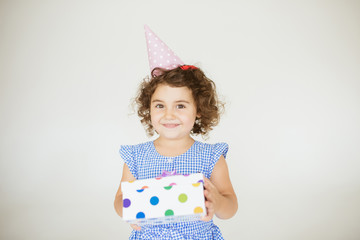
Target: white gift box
164, 199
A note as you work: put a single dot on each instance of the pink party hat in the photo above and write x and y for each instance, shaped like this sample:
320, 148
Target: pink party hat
160, 55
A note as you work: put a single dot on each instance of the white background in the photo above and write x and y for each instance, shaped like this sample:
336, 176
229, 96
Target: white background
288, 70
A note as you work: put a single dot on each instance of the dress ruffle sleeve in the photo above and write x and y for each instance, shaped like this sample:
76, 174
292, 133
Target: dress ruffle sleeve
218, 150
127, 153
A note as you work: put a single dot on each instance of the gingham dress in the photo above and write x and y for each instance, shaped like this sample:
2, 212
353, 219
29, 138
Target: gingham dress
145, 162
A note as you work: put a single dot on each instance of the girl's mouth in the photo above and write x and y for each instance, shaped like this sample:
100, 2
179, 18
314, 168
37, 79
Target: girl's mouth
171, 125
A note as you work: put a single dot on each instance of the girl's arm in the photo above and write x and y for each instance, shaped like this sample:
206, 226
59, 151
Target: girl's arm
118, 203
220, 196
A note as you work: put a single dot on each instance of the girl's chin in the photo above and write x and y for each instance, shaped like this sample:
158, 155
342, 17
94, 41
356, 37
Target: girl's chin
174, 136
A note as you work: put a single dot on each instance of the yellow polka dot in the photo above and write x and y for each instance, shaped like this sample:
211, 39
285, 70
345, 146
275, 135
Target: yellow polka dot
196, 184
198, 210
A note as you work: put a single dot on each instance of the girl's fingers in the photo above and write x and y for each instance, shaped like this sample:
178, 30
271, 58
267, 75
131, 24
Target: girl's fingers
209, 204
208, 184
210, 192
135, 227
207, 195
206, 218
210, 212
209, 187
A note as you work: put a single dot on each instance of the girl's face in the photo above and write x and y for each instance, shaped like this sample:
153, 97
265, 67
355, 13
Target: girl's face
173, 112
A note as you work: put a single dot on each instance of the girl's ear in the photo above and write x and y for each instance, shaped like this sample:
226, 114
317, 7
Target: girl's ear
198, 115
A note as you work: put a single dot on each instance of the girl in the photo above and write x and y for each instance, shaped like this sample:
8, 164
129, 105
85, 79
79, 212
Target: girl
176, 102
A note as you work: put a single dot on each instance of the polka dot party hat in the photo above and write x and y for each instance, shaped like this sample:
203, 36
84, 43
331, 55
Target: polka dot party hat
159, 54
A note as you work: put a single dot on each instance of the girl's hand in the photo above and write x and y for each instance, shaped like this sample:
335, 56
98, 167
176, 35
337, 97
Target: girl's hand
135, 227
220, 196
212, 199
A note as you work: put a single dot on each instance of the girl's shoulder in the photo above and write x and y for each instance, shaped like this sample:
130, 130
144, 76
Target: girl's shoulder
136, 147
212, 146
132, 153
215, 149
143, 145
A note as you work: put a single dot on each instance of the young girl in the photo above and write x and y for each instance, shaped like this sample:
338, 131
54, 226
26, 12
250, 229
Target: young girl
177, 103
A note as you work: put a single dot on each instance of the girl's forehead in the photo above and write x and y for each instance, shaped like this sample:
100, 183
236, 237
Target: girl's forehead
170, 92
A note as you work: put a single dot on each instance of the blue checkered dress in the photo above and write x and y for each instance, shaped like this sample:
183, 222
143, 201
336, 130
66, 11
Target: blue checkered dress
145, 162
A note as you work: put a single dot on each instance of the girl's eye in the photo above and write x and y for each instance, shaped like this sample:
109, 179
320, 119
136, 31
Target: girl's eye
180, 106
159, 106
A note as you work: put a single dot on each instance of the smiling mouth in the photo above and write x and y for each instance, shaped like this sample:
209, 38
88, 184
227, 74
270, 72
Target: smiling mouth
171, 125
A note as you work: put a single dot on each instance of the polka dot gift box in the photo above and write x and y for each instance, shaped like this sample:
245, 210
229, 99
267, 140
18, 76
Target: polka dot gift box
164, 199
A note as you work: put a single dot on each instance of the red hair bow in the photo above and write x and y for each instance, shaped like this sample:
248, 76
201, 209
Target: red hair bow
186, 67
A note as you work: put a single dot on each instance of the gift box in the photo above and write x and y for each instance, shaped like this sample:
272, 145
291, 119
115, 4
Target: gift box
164, 199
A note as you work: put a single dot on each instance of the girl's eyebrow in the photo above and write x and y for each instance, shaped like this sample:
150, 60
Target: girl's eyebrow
177, 101
156, 100
182, 101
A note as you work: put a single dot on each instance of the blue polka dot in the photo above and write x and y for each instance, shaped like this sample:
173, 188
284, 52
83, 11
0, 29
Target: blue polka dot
154, 200
140, 215
140, 190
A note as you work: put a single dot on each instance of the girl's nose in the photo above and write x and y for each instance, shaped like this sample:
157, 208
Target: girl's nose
169, 114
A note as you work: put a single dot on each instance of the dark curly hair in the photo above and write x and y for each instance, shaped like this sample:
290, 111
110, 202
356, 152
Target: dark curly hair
203, 89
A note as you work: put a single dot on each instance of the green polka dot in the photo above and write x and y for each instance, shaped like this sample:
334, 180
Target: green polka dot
183, 197
168, 187
169, 212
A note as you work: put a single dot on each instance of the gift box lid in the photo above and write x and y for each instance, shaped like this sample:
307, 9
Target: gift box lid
163, 181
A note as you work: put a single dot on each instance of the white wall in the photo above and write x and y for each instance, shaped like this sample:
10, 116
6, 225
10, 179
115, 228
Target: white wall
289, 71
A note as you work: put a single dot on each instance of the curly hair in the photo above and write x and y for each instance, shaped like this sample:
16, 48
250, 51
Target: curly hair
203, 89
